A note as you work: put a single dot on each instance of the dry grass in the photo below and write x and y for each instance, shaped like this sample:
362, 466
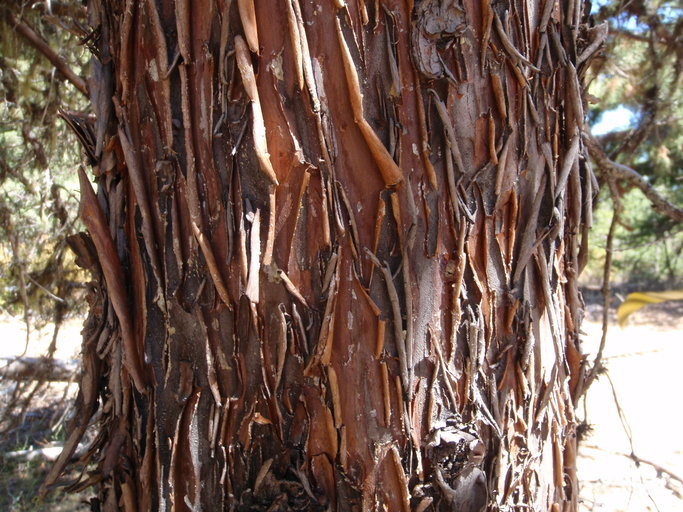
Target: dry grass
27, 426
22, 467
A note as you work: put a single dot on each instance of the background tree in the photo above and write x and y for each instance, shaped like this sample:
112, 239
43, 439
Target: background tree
38, 189
639, 77
37, 208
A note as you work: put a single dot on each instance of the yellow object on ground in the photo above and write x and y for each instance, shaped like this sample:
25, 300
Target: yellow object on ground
635, 301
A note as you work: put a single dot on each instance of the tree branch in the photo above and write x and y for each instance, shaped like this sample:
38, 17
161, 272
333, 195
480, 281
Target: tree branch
622, 172
616, 31
35, 40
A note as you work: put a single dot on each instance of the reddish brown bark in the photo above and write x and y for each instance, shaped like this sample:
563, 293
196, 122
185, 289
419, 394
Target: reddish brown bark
350, 241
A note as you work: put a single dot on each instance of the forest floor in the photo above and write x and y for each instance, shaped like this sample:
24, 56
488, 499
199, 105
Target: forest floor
30, 442
643, 363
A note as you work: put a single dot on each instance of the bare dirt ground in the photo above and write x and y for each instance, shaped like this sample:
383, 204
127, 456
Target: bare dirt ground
645, 375
644, 372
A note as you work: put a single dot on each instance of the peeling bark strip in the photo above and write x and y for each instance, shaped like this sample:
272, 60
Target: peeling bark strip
339, 246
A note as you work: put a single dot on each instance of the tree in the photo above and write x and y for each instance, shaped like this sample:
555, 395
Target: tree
36, 209
335, 250
640, 73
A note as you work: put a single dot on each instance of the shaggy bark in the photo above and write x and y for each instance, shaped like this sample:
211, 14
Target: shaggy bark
336, 248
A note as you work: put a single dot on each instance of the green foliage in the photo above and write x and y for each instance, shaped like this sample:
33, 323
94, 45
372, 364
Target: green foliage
648, 249
640, 72
38, 160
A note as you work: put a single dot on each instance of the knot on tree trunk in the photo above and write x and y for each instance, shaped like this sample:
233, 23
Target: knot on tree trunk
456, 453
436, 24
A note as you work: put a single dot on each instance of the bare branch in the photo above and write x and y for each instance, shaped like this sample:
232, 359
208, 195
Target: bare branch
638, 460
598, 367
623, 172
616, 31
39, 44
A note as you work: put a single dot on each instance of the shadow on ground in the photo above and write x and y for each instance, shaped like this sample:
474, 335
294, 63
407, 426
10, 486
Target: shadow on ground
29, 444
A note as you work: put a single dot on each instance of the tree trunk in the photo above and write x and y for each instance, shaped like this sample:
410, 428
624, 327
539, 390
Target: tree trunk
336, 248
